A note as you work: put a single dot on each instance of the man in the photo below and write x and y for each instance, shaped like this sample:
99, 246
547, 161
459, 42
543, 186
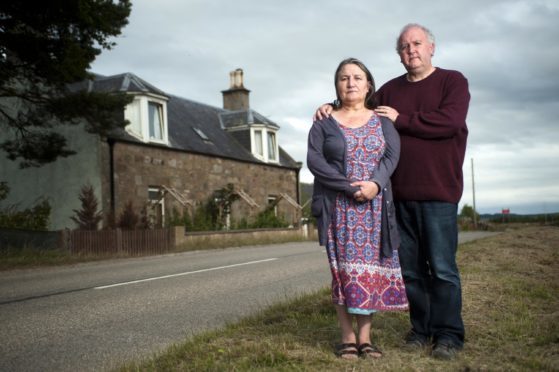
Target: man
428, 106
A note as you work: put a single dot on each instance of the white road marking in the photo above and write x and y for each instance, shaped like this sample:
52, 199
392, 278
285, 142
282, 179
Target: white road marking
182, 274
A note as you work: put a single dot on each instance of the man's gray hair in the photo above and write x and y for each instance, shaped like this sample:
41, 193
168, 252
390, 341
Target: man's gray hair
430, 36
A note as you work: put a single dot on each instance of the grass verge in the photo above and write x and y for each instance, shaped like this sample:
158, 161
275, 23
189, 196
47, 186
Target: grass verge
511, 313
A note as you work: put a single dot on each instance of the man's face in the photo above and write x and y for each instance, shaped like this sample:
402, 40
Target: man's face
415, 50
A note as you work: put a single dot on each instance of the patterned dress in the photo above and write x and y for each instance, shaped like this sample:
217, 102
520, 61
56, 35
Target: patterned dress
362, 281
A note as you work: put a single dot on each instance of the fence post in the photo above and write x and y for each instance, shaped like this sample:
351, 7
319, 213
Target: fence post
172, 239
118, 232
65, 240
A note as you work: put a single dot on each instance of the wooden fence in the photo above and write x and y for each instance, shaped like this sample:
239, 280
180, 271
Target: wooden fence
142, 242
119, 242
29, 239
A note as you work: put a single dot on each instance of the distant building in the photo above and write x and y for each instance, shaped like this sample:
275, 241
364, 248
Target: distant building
173, 155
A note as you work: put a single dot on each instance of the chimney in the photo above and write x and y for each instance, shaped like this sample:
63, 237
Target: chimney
236, 97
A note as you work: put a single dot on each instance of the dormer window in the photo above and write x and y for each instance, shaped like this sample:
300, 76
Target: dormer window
258, 145
155, 117
264, 143
148, 118
272, 147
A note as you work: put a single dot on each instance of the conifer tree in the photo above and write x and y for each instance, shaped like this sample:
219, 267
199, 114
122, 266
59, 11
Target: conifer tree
88, 217
128, 219
45, 48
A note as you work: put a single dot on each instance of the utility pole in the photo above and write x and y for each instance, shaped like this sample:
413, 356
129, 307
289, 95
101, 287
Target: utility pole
474, 195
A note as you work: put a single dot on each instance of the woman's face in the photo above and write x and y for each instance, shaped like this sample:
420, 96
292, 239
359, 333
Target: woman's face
352, 85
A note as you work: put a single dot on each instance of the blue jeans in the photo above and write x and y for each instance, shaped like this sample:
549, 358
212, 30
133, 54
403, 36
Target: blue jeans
429, 234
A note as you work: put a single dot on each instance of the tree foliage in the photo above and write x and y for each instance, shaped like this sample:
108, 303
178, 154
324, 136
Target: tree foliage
128, 218
224, 199
45, 47
468, 212
88, 217
34, 218
212, 215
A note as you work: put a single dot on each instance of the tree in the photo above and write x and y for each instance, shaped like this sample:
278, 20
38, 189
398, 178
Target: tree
128, 218
88, 217
145, 222
223, 200
34, 218
45, 47
468, 212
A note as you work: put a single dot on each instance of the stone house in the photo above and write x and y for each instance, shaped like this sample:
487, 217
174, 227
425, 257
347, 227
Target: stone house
173, 155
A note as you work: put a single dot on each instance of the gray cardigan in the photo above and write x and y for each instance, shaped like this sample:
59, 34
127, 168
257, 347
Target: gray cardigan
326, 159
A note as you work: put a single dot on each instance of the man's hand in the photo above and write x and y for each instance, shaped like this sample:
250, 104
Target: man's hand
323, 112
387, 112
369, 190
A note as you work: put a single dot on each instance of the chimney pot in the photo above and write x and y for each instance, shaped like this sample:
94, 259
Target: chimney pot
236, 97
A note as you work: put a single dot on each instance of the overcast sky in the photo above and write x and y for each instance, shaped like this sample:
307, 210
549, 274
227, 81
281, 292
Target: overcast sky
289, 49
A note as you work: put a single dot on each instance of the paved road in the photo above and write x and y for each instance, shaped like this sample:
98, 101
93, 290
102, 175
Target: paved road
95, 316
468, 236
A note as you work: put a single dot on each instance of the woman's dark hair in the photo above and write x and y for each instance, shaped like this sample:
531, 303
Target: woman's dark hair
370, 101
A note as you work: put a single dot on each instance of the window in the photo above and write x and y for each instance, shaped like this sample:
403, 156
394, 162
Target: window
156, 210
147, 118
272, 146
133, 114
273, 201
202, 135
264, 143
155, 117
258, 145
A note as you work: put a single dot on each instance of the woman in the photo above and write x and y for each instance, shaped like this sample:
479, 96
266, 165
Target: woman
352, 155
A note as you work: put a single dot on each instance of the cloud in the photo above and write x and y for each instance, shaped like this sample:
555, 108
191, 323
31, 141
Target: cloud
289, 50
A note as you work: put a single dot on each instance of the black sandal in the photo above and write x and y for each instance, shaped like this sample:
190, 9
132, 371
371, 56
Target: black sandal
348, 351
367, 350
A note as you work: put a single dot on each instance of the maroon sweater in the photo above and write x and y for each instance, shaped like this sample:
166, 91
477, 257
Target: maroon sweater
433, 132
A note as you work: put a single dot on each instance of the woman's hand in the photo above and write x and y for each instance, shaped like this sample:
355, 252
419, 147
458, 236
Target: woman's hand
368, 190
358, 196
323, 112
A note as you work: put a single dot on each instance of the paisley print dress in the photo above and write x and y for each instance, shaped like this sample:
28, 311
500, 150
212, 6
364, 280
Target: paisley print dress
361, 280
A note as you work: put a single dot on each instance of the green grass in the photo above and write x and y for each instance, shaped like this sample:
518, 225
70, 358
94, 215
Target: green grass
511, 313
30, 257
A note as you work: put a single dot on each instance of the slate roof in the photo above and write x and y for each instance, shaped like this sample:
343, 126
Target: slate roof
193, 126
232, 119
126, 82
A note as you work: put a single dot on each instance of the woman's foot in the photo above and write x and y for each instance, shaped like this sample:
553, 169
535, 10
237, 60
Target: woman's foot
348, 351
367, 350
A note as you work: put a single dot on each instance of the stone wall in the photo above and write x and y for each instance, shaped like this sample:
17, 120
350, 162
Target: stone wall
138, 167
199, 240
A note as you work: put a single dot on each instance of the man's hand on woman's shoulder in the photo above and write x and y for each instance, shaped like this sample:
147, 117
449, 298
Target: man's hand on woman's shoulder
323, 112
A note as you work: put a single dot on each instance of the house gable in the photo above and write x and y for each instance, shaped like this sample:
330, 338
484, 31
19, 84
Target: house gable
199, 149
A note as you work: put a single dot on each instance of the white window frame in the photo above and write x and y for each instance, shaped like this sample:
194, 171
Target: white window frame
137, 113
257, 136
160, 202
272, 152
272, 199
264, 155
156, 127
